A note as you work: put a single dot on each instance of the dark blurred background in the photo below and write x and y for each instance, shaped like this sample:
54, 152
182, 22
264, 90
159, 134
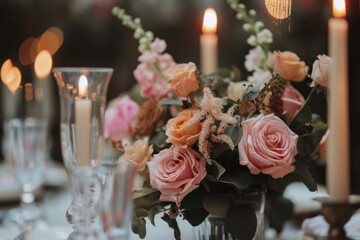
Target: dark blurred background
95, 38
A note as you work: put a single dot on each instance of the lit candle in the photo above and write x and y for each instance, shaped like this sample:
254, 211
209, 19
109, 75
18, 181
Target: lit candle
209, 42
338, 175
83, 121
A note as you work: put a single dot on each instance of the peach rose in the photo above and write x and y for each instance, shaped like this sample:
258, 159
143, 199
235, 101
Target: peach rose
267, 146
289, 66
292, 100
175, 175
321, 70
182, 79
139, 153
179, 132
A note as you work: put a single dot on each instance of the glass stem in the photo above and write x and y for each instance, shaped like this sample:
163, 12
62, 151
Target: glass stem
27, 198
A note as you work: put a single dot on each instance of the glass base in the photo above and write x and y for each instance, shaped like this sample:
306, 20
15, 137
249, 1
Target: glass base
243, 221
22, 215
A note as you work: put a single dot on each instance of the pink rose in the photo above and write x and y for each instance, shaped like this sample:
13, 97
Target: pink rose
292, 100
175, 175
289, 66
267, 146
321, 70
118, 119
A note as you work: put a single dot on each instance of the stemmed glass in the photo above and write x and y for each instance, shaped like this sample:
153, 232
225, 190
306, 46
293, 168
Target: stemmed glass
82, 94
27, 144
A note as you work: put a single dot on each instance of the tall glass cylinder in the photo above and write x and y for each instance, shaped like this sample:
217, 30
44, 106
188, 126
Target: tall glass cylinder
82, 94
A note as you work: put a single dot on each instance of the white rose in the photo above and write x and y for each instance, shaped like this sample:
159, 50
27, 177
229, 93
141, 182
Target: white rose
253, 59
236, 89
260, 78
321, 70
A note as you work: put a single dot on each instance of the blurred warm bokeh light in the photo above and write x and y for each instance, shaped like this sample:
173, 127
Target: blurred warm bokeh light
28, 51
43, 64
51, 40
7, 65
13, 79
279, 9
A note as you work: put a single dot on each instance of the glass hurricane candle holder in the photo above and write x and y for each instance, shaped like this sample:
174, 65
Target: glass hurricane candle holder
82, 94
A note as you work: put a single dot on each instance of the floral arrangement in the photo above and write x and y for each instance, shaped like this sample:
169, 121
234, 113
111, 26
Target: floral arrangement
204, 143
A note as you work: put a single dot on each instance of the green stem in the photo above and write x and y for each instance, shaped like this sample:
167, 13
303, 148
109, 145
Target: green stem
312, 93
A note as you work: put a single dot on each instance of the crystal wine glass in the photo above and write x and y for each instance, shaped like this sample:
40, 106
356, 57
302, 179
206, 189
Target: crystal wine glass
27, 144
82, 94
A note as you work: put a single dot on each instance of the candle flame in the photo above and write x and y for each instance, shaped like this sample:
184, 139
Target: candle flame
210, 21
83, 86
339, 8
43, 64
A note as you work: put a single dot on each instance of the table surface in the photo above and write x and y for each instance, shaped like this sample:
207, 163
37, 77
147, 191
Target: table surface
55, 202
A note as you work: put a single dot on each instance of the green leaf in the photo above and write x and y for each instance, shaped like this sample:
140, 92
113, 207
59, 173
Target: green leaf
241, 221
217, 204
172, 224
152, 214
216, 169
171, 102
235, 133
278, 210
158, 138
305, 115
141, 213
193, 200
306, 177
252, 92
240, 179
320, 126
224, 73
138, 226
142, 200
196, 216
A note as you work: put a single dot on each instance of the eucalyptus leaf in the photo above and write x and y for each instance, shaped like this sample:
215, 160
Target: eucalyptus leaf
152, 214
216, 203
172, 224
158, 138
216, 169
171, 102
241, 221
138, 226
239, 179
252, 92
141, 213
196, 216
320, 126
235, 133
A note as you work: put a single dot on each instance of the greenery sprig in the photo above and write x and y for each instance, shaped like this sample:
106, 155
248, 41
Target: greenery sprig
145, 37
260, 36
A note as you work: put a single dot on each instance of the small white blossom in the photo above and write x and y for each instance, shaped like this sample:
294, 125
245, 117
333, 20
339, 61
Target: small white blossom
259, 25
240, 15
115, 10
264, 36
252, 13
253, 59
150, 35
260, 77
252, 41
247, 27
241, 6
137, 20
